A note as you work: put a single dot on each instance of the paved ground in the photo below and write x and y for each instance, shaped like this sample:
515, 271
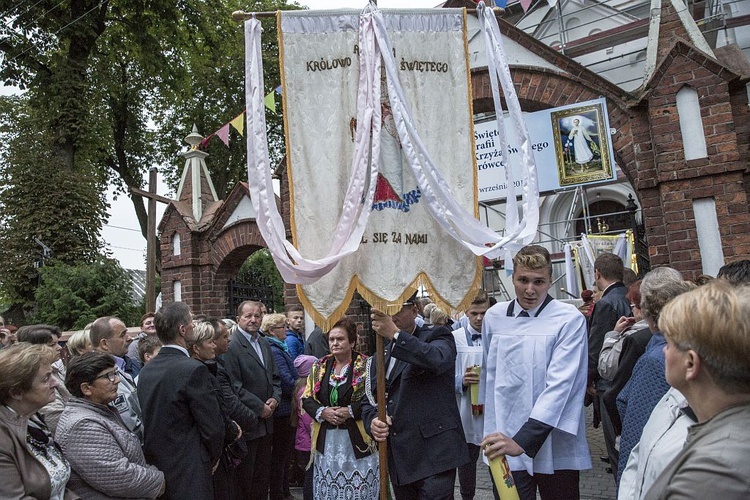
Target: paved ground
596, 484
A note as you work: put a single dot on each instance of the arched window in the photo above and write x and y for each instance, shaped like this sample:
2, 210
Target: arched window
609, 212
691, 124
176, 240
572, 23
177, 290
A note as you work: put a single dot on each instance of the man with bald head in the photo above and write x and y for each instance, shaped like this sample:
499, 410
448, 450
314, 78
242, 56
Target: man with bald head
110, 336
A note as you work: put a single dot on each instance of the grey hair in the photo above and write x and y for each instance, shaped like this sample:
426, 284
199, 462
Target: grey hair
658, 287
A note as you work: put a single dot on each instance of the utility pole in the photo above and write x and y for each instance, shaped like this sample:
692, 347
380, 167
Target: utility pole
151, 235
151, 243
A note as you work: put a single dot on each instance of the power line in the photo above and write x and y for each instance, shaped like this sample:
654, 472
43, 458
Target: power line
140, 250
7, 12
123, 228
58, 31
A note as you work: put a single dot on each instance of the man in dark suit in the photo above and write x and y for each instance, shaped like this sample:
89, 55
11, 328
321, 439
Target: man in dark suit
255, 379
316, 344
608, 271
425, 438
184, 429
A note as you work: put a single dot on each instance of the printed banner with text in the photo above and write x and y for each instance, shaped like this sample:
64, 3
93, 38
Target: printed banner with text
571, 147
403, 246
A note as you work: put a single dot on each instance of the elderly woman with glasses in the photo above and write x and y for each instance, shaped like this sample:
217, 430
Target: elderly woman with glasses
275, 326
31, 463
106, 458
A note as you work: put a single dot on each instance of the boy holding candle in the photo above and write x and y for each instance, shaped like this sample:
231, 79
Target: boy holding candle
469, 359
534, 381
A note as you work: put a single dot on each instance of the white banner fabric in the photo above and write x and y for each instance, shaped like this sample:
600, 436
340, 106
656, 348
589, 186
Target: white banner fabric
403, 245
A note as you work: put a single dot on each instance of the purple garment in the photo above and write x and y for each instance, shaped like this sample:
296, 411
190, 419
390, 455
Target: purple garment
303, 438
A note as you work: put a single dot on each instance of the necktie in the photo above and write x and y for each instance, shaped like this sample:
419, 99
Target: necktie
523, 314
475, 336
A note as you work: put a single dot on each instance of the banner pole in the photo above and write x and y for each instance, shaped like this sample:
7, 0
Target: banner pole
382, 412
241, 16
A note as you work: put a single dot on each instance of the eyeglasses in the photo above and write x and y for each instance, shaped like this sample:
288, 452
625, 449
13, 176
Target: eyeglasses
111, 376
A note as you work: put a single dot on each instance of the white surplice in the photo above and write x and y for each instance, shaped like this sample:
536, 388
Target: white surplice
467, 355
536, 367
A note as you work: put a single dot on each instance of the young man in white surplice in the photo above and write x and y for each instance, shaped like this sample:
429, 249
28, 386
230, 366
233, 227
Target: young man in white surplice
536, 358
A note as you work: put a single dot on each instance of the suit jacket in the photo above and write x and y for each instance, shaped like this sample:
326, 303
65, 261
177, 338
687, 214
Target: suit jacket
254, 382
426, 437
607, 311
184, 432
316, 344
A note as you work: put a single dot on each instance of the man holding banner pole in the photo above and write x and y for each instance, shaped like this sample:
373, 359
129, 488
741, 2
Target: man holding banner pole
423, 428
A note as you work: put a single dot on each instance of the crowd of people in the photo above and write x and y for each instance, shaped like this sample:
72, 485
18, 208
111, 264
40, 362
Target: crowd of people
198, 407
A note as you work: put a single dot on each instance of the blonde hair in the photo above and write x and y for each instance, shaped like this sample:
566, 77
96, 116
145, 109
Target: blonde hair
533, 257
76, 344
272, 321
714, 321
427, 311
438, 317
203, 331
19, 365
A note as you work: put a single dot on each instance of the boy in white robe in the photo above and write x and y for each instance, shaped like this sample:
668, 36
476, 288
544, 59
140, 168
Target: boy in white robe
469, 353
534, 381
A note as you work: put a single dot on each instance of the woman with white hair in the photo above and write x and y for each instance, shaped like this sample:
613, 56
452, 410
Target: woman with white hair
203, 348
707, 355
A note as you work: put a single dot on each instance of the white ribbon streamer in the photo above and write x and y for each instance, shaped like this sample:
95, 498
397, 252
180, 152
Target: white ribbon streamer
294, 268
451, 216
441, 204
571, 281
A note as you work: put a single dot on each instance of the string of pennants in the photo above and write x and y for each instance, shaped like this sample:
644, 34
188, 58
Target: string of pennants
270, 102
238, 122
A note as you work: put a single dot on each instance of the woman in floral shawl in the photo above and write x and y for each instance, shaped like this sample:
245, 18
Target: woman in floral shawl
345, 464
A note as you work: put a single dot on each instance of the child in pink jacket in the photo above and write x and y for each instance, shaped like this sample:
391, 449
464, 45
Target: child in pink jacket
303, 439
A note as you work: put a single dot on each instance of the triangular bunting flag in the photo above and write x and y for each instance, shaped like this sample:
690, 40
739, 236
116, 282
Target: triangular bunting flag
223, 134
204, 142
239, 124
270, 102
526, 4
278, 90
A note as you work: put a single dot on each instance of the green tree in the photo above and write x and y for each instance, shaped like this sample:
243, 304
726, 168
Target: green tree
43, 203
111, 87
71, 296
260, 270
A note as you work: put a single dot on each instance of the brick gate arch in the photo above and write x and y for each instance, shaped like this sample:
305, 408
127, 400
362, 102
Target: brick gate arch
210, 253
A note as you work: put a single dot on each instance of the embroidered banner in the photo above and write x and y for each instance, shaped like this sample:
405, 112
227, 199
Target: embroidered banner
403, 245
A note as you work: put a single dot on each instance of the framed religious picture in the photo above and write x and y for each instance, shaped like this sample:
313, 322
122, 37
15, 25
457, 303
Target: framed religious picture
581, 138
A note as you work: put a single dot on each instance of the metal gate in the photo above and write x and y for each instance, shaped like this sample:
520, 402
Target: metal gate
239, 292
